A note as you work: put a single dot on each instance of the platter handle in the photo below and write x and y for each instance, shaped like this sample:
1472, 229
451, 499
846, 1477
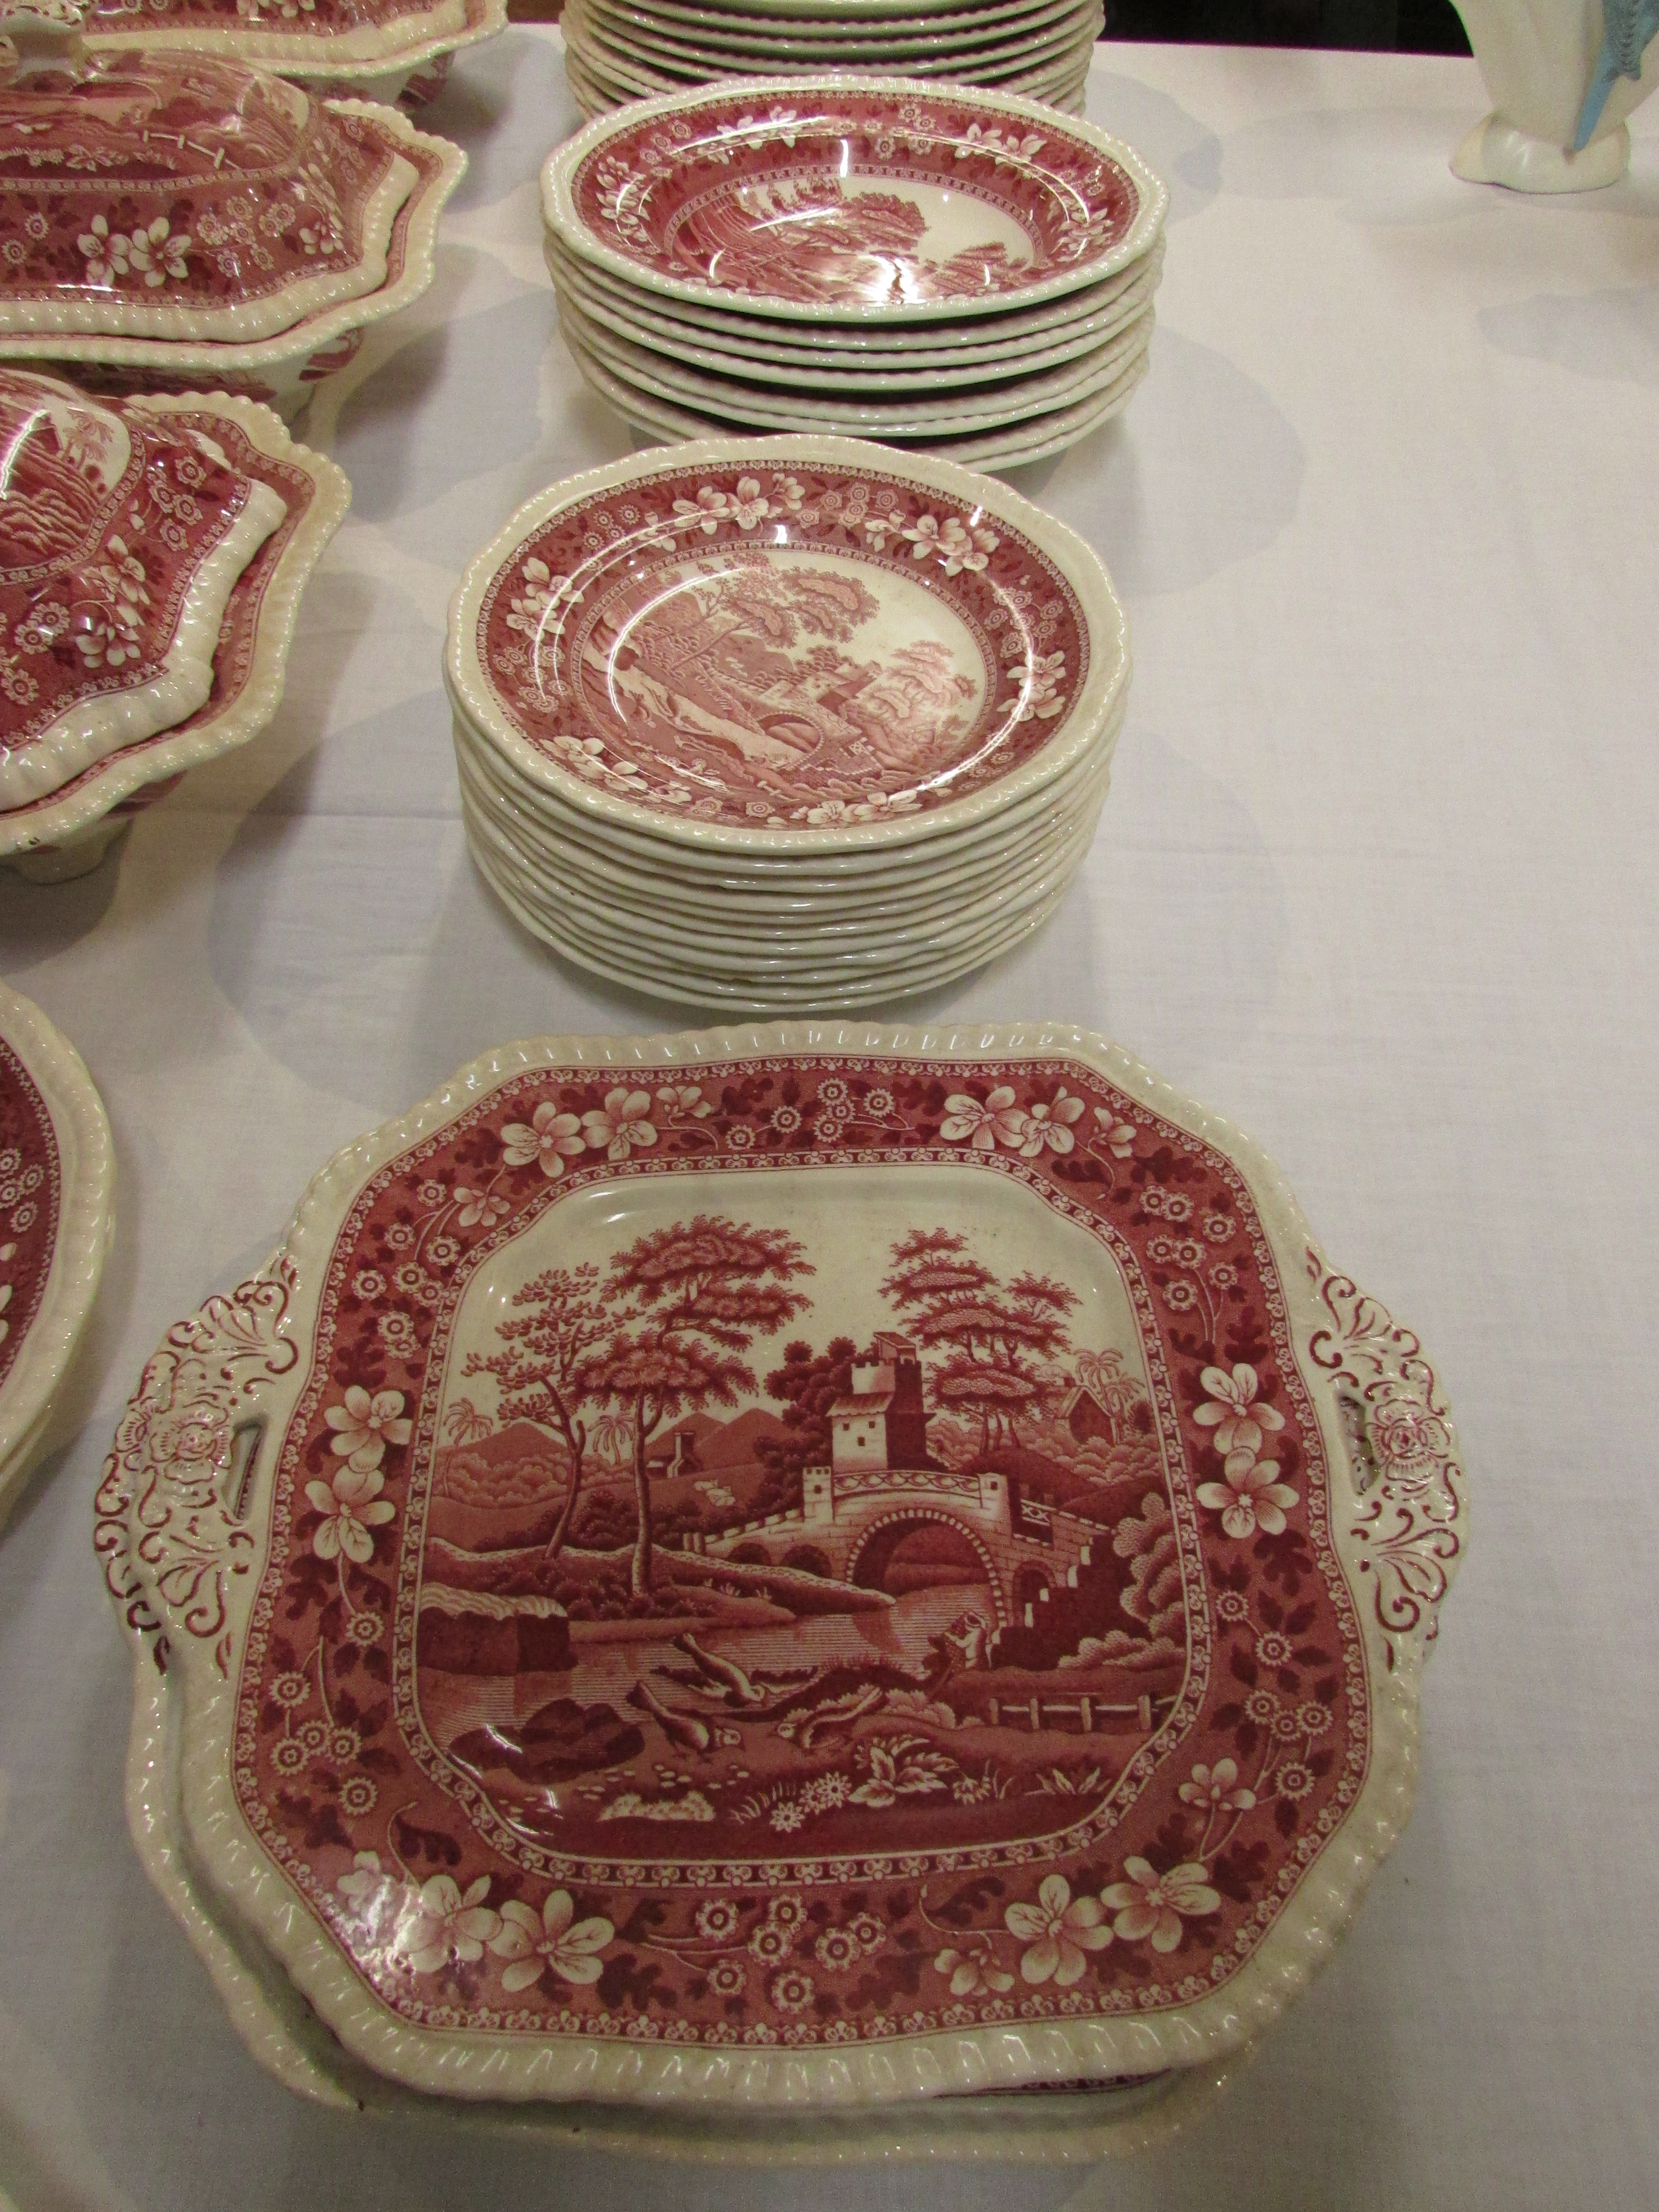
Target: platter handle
182, 1485
1409, 1505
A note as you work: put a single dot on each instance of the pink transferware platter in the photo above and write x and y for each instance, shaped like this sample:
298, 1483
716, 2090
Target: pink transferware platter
861, 199
170, 221
154, 552
57, 1181
777, 1572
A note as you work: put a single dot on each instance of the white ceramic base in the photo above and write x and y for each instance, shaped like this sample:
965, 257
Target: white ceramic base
1497, 153
63, 864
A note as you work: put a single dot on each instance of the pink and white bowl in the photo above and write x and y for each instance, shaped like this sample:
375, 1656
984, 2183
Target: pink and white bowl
170, 223
152, 556
623, 1644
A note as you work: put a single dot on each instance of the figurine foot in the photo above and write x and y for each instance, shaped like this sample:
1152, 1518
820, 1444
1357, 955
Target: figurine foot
1497, 153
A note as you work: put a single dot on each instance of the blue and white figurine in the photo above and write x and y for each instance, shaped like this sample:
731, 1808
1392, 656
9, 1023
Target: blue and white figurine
1562, 74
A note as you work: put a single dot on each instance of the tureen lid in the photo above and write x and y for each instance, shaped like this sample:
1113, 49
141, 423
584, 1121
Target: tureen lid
121, 539
167, 197
793, 1566
326, 37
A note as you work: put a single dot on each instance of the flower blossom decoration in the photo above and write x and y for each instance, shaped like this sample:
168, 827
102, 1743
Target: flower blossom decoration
352, 1508
622, 1122
548, 1139
448, 1924
480, 1208
365, 1426
1058, 1931
998, 1121
1240, 1424
744, 506
1153, 1903
1119, 1137
1215, 1788
531, 1943
1048, 1128
971, 1973
1249, 1497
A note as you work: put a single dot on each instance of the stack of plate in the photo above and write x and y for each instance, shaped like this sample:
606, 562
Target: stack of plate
621, 50
955, 272
783, 723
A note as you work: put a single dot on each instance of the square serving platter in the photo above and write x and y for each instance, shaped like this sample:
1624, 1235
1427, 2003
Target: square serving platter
566, 1720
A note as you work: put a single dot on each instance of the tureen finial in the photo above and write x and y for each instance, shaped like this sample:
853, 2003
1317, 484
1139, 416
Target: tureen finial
45, 34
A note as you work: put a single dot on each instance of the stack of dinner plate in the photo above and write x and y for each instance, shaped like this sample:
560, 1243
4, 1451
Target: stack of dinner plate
783, 723
621, 50
956, 272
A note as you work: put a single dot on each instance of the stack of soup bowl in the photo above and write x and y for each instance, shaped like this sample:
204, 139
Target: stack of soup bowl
780, 723
621, 50
955, 272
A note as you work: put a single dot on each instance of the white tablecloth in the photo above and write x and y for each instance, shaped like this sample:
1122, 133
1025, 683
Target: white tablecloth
1377, 880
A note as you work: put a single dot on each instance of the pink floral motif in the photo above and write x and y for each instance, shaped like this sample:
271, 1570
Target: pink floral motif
621, 1125
1058, 1930
548, 1139
975, 1972
1240, 1424
999, 1120
478, 1209
745, 505
365, 1426
1249, 1497
1048, 1125
352, 1508
1149, 1904
532, 1943
449, 1926
1216, 1788
1119, 1136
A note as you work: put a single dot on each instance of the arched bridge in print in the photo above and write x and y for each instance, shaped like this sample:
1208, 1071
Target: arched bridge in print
853, 1520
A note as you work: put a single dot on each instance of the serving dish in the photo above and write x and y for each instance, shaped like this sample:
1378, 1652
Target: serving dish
172, 221
67, 829
56, 1184
380, 50
696, 1798
102, 647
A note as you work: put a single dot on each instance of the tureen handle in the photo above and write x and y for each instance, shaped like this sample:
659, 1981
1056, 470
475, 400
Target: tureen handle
45, 34
1409, 1503
174, 1508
